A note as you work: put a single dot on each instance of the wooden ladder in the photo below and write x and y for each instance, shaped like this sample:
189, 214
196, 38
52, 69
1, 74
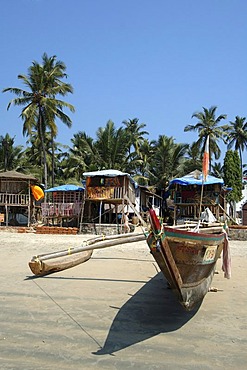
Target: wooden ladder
143, 223
82, 213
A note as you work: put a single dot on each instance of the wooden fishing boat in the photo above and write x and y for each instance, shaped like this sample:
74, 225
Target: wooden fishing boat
186, 258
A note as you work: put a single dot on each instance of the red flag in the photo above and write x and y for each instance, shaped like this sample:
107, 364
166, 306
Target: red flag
205, 163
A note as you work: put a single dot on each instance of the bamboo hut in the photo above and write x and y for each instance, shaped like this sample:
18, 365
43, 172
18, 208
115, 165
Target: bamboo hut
63, 205
108, 195
16, 198
186, 194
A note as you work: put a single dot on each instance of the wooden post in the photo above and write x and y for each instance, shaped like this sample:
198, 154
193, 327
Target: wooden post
175, 214
100, 212
82, 212
6, 212
175, 206
29, 205
116, 214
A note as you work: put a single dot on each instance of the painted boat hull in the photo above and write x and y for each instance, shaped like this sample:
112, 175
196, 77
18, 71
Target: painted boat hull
187, 260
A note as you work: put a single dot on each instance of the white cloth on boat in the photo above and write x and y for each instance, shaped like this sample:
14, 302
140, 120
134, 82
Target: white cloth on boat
207, 216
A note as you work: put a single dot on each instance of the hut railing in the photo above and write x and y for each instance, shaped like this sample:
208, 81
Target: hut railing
101, 192
191, 210
60, 209
14, 199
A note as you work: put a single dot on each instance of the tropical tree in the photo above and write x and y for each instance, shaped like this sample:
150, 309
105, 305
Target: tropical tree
192, 159
41, 104
139, 165
81, 157
208, 125
112, 147
168, 161
236, 135
217, 170
10, 155
35, 158
233, 178
135, 133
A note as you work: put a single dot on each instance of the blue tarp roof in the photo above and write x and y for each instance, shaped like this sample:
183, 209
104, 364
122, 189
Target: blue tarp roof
195, 178
65, 188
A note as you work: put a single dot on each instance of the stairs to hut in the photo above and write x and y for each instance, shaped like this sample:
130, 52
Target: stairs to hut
143, 223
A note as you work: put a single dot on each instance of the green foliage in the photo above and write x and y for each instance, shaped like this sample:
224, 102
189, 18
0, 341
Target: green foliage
193, 159
41, 102
208, 125
233, 175
167, 161
134, 134
81, 157
140, 163
112, 147
10, 155
217, 170
236, 135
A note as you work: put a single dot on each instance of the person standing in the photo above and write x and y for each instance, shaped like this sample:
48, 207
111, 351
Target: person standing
126, 222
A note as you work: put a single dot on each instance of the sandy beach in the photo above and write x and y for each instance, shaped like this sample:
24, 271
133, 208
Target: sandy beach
114, 311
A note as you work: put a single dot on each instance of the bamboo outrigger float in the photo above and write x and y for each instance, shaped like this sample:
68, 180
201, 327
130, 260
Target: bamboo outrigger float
48, 265
186, 258
44, 264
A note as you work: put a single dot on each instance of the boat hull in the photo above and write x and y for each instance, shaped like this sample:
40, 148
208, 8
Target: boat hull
187, 260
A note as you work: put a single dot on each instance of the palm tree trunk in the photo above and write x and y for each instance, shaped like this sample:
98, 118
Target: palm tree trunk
53, 163
5, 146
41, 135
241, 163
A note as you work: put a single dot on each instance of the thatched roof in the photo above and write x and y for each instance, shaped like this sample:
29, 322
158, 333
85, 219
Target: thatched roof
16, 175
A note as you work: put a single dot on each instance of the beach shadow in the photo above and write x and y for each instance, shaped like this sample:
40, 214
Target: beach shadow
152, 310
51, 276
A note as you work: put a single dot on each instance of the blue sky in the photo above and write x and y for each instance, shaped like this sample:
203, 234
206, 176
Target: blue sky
157, 60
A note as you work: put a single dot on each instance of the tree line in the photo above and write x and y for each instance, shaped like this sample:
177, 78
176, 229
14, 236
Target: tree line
127, 148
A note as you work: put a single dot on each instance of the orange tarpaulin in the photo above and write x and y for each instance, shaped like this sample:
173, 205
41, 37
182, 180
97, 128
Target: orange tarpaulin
37, 192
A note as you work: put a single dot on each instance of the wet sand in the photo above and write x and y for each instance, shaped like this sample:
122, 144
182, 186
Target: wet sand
114, 312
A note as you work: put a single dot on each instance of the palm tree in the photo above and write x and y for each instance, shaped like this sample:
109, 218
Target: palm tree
218, 170
35, 159
168, 161
81, 157
135, 133
41, 107
112, 147
139, 164
55, 71
193, 159
10, 155
208, 125
236, 135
